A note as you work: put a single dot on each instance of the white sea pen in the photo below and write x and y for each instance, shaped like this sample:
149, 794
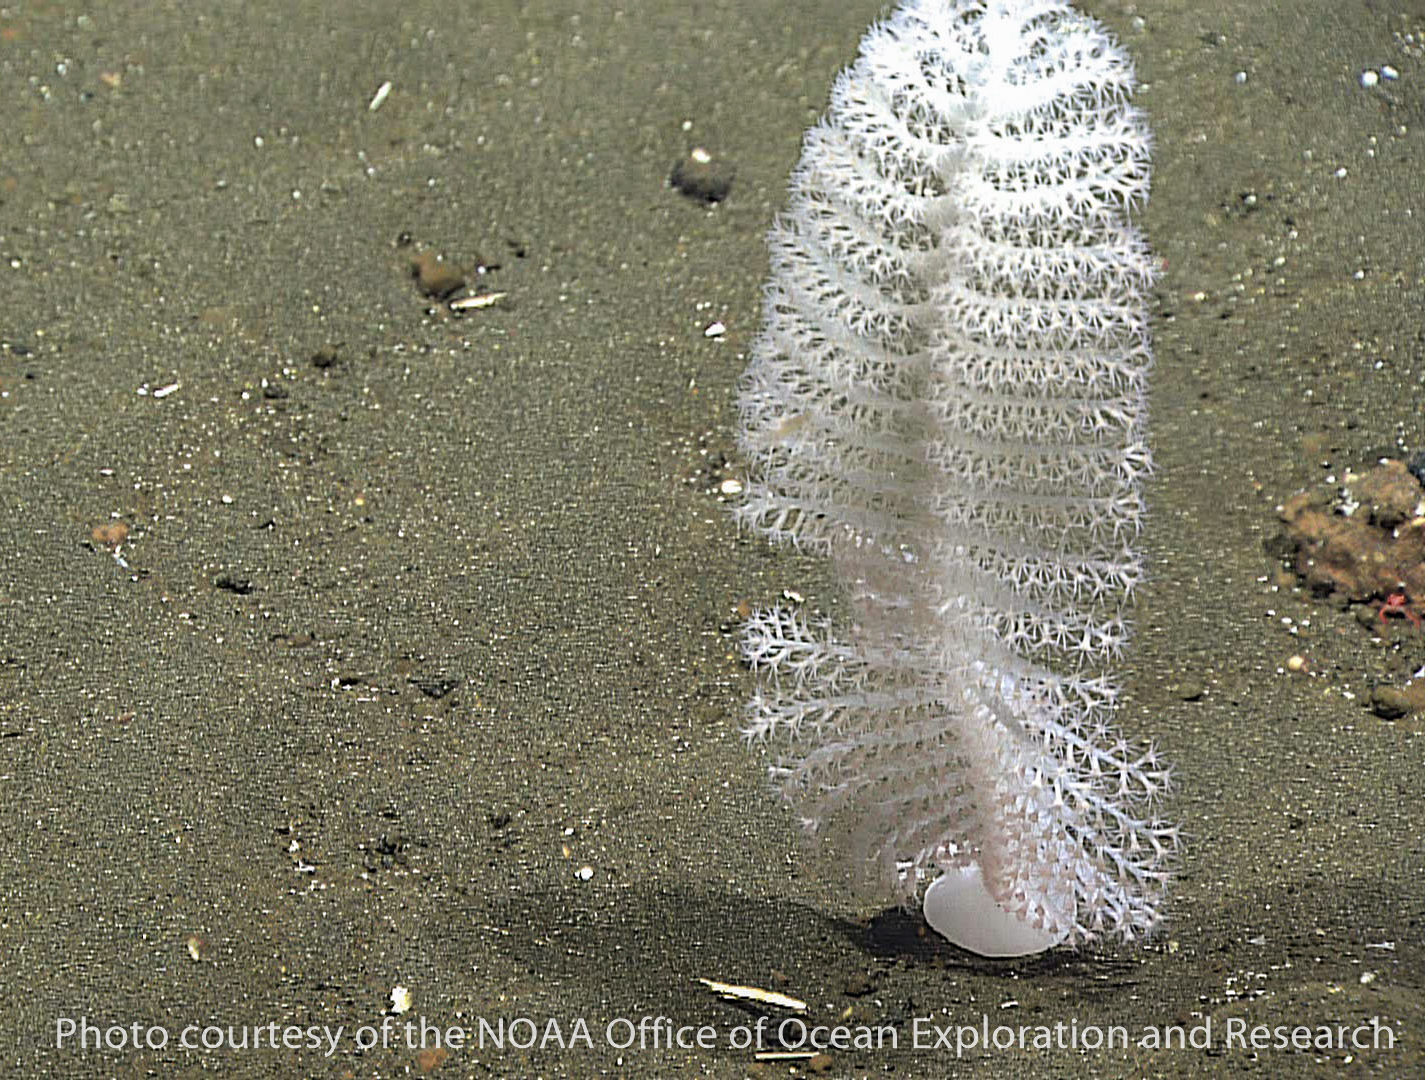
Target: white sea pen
948, 398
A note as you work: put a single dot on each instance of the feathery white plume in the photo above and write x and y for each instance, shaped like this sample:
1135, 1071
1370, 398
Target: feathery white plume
948, 398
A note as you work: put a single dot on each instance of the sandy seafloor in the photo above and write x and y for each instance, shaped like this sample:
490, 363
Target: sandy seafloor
405, 642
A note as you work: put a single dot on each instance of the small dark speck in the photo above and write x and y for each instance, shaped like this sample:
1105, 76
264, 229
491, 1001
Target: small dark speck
434, 686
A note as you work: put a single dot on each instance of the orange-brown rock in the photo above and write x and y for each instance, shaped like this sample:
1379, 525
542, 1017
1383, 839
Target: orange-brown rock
1377, 550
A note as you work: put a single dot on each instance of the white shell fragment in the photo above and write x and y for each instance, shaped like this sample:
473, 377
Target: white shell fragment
474, 303
734, 992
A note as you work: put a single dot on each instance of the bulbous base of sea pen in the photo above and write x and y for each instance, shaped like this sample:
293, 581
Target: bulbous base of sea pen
959, 907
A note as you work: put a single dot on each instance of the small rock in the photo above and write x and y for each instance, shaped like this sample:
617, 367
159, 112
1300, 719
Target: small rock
1389, 703
858, 985
110, 535
1365, 546
230, 583
435, 277
700, 176
434, 685
1189, 690
327, 356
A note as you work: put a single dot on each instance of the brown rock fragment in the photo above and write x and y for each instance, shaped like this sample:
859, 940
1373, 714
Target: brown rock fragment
435, 277
110, 535
1389, 703
1389, 494
1377, 550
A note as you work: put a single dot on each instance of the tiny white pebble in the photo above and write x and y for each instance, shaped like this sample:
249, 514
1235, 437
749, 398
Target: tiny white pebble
730, 487
1388, 72
380, 96
584, 873
716, 329
400, 1000
1369, 78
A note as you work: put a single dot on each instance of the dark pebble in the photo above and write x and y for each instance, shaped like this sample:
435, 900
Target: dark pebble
227, 582
1416, 465
434, 686
701, 176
